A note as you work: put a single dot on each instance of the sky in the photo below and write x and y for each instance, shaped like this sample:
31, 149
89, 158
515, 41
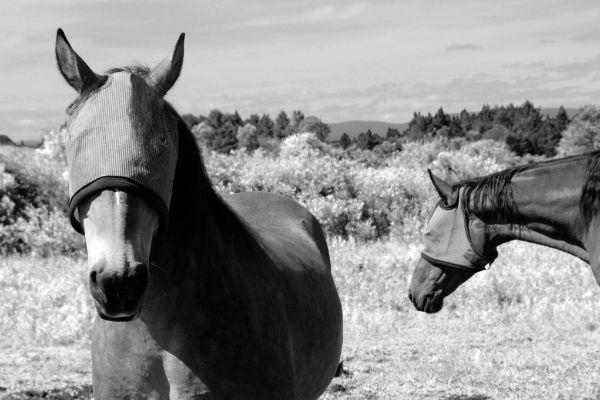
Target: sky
339, 60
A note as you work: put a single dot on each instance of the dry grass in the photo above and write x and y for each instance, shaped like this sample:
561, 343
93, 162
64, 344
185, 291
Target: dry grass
525, 329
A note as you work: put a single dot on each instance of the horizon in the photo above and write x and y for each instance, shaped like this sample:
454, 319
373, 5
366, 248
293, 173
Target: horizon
358, 61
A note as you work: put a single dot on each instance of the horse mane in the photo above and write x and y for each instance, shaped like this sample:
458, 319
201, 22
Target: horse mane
589, 203
496, 189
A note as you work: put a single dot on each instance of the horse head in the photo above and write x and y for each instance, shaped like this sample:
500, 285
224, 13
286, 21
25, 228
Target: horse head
456, 247
122, 149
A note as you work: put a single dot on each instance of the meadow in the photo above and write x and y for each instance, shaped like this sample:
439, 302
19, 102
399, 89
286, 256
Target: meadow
527, 328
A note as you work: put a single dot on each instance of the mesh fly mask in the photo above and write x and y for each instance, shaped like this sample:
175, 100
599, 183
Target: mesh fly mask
447, 239
119, 138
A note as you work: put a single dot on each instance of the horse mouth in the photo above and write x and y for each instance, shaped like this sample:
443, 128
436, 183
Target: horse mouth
433, 304
429, 304
119, 316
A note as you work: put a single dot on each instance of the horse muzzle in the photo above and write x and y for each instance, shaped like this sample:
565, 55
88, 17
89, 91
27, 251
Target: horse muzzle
429, 302
119, 295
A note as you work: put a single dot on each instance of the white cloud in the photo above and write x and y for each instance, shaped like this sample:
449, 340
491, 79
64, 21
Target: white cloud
332, 12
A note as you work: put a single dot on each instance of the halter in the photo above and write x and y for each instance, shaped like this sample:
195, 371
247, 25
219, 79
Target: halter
447, 239
107, 149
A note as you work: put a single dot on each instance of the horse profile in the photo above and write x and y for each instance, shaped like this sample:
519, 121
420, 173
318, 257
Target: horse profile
554, 203
198, 295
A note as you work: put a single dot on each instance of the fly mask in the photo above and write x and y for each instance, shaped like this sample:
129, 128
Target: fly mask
120, 137
447, 239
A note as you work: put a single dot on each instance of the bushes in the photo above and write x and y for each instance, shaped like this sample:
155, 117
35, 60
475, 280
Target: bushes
34, 199
349, 198
582, 134
353, 193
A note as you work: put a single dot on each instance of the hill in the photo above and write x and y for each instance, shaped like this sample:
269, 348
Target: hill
552, 111
5, 140
354, 128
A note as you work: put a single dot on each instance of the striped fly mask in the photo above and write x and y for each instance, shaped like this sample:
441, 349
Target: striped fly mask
122, 136
447, 238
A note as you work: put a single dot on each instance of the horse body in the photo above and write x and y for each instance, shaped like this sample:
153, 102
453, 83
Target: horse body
237, 299
272, 331
553, 203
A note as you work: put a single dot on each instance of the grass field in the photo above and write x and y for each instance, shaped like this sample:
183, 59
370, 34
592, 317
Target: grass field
525, 329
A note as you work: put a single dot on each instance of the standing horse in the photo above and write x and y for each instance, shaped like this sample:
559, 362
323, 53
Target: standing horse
198, 295
554, 203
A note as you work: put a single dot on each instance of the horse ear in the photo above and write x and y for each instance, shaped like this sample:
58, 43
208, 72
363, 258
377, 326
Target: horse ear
163, 76
443, 188
452, 176
71, 66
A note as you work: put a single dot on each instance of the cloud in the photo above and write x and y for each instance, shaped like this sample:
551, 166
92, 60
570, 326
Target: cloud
463, 47
532, 65
396, 101
580, 68
591, 37
331, 12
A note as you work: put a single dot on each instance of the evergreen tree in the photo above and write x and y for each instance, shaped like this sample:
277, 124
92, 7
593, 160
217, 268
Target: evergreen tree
234, 119
440, 119
264, 126
392, 134
562, 119
252, 119
368, 140
345, 141
281, 127
225, 138
465, 121
215, 118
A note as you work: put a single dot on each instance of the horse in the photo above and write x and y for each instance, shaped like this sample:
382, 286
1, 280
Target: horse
198, 295
552, 203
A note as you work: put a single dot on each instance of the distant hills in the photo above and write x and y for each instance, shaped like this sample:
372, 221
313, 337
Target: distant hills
552, 111
355, 128
5, 140
352, 128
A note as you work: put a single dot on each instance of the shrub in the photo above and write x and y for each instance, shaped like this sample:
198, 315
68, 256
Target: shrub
582, 134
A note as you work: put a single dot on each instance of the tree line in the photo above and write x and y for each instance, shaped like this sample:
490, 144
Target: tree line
224, 132
524, 128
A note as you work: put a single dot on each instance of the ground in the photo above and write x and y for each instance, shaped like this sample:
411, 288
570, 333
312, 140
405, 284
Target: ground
525, 329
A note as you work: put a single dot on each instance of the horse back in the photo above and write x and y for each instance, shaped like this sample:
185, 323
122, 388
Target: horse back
287, 231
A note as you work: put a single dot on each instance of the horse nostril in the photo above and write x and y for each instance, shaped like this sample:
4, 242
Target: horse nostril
93, 279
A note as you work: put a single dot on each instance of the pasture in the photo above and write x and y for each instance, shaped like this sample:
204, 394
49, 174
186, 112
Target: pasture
525, 329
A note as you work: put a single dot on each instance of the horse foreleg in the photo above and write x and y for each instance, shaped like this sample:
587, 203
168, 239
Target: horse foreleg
126, 362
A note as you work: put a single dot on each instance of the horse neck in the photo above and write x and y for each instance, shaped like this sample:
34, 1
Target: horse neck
205, 240
545, 207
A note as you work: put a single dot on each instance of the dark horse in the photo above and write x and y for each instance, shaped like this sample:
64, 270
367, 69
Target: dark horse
198, 295
553, 203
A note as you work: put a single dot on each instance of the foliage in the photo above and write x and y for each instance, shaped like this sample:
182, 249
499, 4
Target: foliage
34, 198
247, 137
368, 140
282, 128
582, 134
523, 128
316, 126
345, 141
360, 194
